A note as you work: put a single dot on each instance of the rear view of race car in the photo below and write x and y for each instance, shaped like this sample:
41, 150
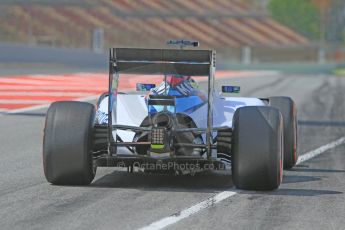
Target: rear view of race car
256, 137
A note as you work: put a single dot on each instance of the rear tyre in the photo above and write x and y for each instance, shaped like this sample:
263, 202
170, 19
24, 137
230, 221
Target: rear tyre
288, 109
257, 154
67, 143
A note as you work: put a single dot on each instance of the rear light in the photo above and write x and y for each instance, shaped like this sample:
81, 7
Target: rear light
158, 138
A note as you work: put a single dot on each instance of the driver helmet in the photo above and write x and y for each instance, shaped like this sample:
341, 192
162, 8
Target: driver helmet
175, 80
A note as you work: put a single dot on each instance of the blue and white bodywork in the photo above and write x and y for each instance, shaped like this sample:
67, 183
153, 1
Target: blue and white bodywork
175, 121
172, 128
132, 109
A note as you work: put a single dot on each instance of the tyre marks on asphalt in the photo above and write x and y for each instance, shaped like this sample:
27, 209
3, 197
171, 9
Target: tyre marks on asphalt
189, 211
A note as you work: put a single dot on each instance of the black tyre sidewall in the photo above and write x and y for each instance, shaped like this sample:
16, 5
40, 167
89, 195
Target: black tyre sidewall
257, 148
67, 143
288, 109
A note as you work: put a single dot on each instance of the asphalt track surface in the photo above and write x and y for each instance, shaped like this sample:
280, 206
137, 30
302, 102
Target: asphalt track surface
311, 196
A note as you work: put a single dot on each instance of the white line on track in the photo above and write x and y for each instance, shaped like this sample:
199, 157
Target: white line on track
189, 211
320, 150
162, 223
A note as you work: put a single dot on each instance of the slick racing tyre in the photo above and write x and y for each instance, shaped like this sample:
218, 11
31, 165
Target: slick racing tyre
288, 109
67, 143
257, 148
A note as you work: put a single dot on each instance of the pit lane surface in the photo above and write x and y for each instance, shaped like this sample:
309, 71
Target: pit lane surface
311, 196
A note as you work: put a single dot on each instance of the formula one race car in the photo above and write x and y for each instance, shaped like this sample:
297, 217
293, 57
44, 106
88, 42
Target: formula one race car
172, 127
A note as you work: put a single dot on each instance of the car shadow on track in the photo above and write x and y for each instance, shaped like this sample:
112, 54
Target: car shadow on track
312, 170
321, 123
301, 192
200, 182
287, 179
203, 182
290, 179
290, 192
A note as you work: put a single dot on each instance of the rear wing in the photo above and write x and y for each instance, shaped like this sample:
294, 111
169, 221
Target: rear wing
160, 62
